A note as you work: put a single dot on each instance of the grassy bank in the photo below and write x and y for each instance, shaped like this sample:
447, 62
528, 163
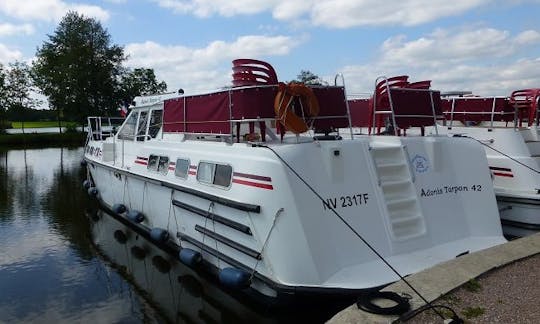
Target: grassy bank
41, 124
70, 138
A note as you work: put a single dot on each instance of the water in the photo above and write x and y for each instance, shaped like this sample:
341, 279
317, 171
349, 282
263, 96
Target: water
62, 260
34, 130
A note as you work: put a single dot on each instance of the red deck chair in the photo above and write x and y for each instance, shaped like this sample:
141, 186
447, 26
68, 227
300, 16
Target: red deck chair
525, 103
248, 72
380, 100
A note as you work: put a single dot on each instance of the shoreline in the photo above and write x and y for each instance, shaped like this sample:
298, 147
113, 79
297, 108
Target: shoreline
69, 138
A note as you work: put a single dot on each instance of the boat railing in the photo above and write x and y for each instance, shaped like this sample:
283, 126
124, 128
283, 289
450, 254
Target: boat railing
228, 113
471, 111
99, 128
400, 105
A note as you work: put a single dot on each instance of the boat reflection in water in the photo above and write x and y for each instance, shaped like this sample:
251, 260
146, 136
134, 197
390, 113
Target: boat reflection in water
179, 293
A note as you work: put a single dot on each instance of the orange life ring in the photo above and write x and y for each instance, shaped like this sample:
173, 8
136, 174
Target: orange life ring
283, 101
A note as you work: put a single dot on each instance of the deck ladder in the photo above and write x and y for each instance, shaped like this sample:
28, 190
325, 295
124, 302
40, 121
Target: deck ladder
396, 180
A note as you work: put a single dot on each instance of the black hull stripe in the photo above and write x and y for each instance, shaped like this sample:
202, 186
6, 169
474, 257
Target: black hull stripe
237, 246
523, 201
500, 169
220, 219
214, 252
528, 226
220, 200
284, 291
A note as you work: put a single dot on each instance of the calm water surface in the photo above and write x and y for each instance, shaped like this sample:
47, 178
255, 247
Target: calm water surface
63, 260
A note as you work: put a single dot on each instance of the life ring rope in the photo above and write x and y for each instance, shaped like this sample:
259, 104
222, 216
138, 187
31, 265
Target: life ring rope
283, 103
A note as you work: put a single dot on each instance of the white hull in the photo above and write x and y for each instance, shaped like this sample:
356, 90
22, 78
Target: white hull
513, 155
414, 222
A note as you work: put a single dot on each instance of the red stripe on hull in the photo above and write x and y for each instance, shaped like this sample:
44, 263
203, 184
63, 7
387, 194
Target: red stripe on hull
141, 162
252, 176
508, 175
192, 172
253, 184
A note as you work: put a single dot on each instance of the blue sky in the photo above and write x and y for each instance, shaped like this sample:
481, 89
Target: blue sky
490, 47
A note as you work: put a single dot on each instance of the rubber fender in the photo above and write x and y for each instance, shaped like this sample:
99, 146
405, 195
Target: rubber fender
135, 216
234, 278
365, 303
190, 257
92, 191
119, 208
87, 184
159, 234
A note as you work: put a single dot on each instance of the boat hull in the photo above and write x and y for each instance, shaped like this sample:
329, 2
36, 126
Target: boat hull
287, 237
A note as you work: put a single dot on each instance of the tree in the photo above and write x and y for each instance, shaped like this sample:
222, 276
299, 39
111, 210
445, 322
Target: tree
3, 99
78, 68
139, 82
19, 87
307, 77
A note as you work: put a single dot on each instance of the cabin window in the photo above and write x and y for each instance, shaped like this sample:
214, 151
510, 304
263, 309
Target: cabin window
213, 173
155, 123
141, 127
182, 168
153, 162
163, 165
128, 129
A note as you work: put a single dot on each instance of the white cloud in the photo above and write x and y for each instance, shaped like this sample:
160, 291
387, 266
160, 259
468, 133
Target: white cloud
195, 69
350, 13
453, 46
484, 61
10, 29
227, 8
331, 13
49, 10
8, 55
528, 37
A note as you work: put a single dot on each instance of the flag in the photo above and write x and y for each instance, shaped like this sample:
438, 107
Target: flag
124, 109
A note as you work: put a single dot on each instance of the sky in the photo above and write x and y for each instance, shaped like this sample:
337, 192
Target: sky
490, 47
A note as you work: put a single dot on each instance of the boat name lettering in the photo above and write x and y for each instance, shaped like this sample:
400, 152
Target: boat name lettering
449, 190
95, 151
346, 201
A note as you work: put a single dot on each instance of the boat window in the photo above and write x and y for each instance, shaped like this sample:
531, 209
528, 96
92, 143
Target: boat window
128, 129
141, 127
153, 162
222, 176
182, 167
213, 173
205, 172
155, 123
163, 165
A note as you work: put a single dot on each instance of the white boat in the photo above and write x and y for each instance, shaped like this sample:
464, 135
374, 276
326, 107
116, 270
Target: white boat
507, 128
284, 214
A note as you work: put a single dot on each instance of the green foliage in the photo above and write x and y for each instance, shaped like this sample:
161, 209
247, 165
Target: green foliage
139, 82
42, 124
15, 89
472, 285
307, 77
472, 312
78, 68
